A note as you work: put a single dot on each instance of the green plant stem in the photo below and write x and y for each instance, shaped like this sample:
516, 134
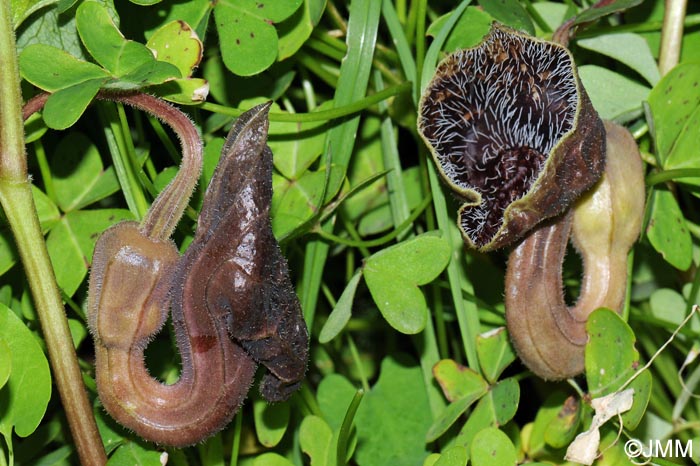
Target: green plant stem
420, 38
672, 35
358, 362
323, 115
18, 204
45, 170
345, 428
328, 294
670, 175
382, 239
236, 443
13, 164
16, 199
314, 261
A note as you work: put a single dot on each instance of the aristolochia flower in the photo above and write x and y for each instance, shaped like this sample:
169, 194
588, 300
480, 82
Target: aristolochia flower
513, 133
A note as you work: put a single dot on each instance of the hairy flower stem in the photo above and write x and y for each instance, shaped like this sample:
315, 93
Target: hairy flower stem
18, 204
167, 209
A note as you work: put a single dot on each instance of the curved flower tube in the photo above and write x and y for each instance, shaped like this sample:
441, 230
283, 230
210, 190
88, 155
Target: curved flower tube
548, 335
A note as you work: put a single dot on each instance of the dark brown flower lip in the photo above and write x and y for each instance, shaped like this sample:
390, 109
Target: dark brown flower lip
495, 117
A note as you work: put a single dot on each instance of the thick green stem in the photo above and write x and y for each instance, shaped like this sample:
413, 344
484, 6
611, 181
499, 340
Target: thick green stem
13, 165
18, 204
672, 35
17, 201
